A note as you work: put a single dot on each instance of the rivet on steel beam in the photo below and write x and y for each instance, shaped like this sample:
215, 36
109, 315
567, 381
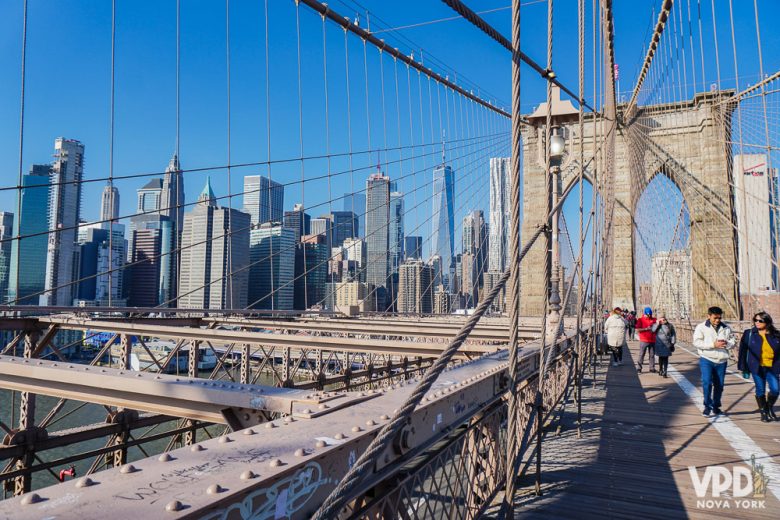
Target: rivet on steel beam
300, 452
84, 482
386, 417
139, 375
165, 457
214, 489
357, 429
425, 399
158, 377
197, 447
323, 406
339, 436
320, 444
250, 431
275, 463
306, 410
289, 419
270, 425
31, 498
225, 439
127, 468
248, 475
173, 506
370, 422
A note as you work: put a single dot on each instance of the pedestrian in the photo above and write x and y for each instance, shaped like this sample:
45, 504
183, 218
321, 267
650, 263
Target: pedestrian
644, 327
665, 338
631, 323
759, 356
615, 327
713, 339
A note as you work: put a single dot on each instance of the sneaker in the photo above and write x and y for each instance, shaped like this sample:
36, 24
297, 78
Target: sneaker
639, 370
718, 411
706, 412
620, 363
614, 363
652, 370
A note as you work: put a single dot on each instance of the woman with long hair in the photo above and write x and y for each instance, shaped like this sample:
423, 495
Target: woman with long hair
759, 356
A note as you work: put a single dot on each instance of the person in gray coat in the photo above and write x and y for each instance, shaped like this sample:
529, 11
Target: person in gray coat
665, 338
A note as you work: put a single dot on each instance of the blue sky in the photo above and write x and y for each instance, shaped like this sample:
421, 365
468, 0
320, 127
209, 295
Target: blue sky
68, 79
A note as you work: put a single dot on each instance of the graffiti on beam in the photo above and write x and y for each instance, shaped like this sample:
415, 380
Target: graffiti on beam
183, 477
282, 500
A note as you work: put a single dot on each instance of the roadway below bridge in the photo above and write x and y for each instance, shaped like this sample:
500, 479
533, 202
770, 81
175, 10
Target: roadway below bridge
641, 435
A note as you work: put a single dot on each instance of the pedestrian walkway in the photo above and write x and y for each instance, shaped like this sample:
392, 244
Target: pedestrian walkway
640, 435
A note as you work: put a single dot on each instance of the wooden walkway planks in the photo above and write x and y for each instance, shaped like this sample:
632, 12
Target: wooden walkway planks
640, 433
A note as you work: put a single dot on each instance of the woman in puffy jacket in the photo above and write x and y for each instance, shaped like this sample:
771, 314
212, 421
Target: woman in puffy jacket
759, 356
665, 338
616, 328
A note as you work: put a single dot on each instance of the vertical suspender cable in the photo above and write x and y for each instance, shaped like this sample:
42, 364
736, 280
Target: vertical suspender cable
330, 221
17, 223
270, 190
111, 160
227, 301
302, 224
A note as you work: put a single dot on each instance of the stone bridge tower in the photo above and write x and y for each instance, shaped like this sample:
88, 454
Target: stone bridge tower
689, 143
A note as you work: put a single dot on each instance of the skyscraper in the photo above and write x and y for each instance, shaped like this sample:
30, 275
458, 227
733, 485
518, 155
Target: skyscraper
311, 271
6, 234
413, 247
172, 195
356, 202
263, 199
415, 287
64, 217
344, 225
377, 234
100, 264
215, 256
500, 216
396, 236
150, 196
297, 220
149, 273
30, 252
109, 203
475, 241
272, 267
672, 279
443, 219
754, 202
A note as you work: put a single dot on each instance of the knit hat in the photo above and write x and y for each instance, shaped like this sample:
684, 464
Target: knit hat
648, 311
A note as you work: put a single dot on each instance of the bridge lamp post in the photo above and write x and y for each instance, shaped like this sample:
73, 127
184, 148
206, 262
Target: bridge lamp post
557, 150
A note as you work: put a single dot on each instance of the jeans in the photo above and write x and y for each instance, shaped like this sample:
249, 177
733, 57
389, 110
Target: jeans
713, 377
765, 378
650, 349
617, 353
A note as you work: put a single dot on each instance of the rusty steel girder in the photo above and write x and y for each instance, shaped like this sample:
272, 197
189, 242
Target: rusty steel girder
286, 467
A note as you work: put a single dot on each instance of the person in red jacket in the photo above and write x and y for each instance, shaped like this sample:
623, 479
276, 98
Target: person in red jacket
644, 326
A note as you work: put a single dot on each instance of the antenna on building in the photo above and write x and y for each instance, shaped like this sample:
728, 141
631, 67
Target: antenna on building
443, 146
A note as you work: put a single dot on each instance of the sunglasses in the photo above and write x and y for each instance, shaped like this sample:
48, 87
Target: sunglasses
759, 321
